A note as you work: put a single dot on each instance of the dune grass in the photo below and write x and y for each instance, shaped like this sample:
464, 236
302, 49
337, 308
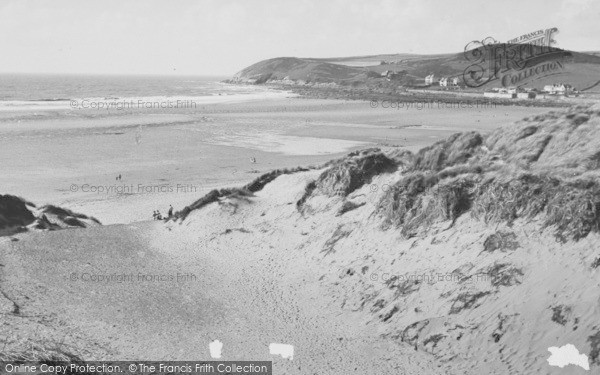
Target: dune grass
246, 191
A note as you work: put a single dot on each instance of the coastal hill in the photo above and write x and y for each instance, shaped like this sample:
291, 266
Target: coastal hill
581, 70
473, 255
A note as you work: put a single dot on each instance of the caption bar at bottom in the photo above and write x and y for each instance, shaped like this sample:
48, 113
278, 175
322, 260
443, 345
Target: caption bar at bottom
138, 367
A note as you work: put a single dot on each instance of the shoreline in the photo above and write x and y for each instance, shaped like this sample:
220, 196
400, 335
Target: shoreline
335, 91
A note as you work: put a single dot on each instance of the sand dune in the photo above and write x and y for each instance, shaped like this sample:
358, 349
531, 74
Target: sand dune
18, 215
474, 255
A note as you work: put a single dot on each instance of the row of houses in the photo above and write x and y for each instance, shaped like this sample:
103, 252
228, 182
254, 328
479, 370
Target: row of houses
444, 81
557, 89
560, 89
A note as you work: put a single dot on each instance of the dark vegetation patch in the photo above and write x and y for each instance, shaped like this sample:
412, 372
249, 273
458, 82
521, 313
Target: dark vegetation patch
246, 191
596, 263
526, 132
16, 307
457, 149
419, 199
402, 287
74, 222
352, 172
411, 333
502, 241
538, 149
15, 216
38, 355
66, 213
502, 326
594, 341
378, 305
339, 233
14, 212
580, 119
211, 197
561, 314
504, 275
387, 316
572, 207
231, 230
260, 182
308, 190
401, 157
434, 339
348, 206
466, 301
594, 161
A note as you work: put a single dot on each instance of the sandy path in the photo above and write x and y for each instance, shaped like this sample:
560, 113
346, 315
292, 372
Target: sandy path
244, 300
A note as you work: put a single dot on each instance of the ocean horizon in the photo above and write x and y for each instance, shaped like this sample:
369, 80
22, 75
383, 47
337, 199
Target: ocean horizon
53, 91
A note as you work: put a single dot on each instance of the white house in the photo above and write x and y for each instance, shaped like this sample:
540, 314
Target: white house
448, 81
429, 79
558, 89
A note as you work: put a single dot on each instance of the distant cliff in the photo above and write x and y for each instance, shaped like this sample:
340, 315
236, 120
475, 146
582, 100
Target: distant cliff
296, 70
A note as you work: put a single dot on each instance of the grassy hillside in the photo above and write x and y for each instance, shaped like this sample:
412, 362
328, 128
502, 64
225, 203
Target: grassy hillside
579, 69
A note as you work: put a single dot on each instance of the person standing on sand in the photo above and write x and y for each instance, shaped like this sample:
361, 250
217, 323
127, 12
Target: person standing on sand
170, 211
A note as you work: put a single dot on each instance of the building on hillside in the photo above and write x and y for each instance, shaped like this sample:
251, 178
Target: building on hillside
560, 89
429, 79
451, 81
390, 74
557, 88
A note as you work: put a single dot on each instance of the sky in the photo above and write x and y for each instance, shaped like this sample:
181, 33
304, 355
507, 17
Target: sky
221, 37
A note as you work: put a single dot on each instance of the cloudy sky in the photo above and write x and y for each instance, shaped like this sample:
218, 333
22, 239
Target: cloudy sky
220, 37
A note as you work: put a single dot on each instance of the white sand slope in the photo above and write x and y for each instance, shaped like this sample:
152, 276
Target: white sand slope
237, 295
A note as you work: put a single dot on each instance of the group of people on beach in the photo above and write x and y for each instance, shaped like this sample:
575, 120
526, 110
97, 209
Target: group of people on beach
158, 216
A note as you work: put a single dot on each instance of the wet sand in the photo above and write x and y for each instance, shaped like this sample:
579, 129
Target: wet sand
73, 157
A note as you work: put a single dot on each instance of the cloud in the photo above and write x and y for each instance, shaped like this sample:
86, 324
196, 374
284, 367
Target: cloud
223, 36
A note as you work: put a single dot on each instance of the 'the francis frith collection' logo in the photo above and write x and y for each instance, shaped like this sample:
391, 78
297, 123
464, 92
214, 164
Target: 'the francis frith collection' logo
521, 60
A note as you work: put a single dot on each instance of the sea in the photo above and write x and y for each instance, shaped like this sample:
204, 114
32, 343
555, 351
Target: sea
46, 92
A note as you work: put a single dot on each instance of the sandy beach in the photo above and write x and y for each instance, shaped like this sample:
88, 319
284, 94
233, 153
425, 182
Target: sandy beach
174, 156
271, 187
331, 262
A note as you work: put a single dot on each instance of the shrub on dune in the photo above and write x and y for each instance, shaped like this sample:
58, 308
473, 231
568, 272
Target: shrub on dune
523, 175
14, 211
65, 215
352, 172
457, 149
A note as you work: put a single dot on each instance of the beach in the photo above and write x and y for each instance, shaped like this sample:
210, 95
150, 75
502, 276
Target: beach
374, 257
73, 157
